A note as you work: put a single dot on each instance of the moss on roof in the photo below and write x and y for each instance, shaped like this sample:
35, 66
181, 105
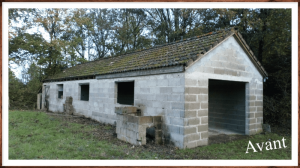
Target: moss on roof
175, 53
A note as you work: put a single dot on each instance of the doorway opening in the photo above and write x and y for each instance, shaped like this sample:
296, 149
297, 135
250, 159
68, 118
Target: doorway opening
227, 107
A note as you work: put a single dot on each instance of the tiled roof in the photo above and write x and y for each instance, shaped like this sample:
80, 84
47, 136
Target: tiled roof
170, 54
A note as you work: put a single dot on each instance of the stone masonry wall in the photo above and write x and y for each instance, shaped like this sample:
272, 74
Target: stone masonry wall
227, 61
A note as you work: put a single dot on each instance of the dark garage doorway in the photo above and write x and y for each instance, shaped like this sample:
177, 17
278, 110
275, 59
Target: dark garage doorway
226, 109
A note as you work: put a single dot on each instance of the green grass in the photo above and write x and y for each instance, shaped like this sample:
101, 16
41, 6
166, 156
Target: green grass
35, 135
236, 150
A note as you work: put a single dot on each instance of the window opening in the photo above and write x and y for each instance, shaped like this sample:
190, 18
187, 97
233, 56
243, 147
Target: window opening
85, 92
125, 93
60, 90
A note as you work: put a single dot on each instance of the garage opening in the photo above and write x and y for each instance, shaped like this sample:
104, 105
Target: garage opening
125, 93
226, 110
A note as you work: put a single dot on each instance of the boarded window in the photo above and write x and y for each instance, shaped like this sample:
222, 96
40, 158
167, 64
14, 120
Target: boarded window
125, 93
60, 90
84, 92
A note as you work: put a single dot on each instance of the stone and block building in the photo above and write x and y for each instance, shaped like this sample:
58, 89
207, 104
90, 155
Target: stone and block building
208, 82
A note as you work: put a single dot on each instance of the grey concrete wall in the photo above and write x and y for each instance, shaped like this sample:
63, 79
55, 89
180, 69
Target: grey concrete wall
227, 61
226, 105
155, 95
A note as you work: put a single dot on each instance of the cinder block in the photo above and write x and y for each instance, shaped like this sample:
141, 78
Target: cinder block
178, 89
259, 109
158, 104
259, 92
192, 90
145, 120
202, 128
174, 129
174, 98
161, 97
132, 119
165, 90
252, 126
258, 114
191, 145
218, 71
234, 73
132, 126
259, 120
162, 82
190, 82
251, 121
117, 130
190, 98
258, 103
203, 90
259, 97
157, 119
177, 121
203, 82
204, 135
151, 97
175, 113
251, 115
202, 142
252, 97
179, 106
204, 120
252, 109
252, 131
190, 114
122, 131
251, 103
204, 105
125, 110
192, 106
142, 130
174, 82
208, 70
191, 137
189, 130
202, 112
192, 121
203, 98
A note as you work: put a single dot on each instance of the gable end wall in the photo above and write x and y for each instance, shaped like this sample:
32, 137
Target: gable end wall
227, 61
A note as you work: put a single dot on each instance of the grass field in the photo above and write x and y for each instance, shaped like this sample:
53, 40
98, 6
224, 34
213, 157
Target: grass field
36, 135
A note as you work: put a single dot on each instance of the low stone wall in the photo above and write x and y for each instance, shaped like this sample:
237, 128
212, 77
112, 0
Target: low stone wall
131, 128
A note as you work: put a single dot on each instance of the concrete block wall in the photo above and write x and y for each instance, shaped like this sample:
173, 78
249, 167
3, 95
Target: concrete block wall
155, 95
132, 129
227, 61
